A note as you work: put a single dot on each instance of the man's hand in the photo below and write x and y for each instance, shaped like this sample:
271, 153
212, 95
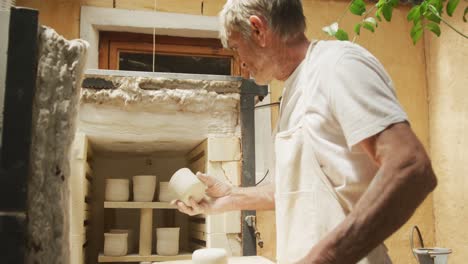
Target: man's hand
217, 202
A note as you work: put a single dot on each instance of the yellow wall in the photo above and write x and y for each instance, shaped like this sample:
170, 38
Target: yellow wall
391, 44
447, 76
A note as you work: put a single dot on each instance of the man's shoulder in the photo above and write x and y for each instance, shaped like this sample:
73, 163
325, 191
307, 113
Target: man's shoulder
332, 50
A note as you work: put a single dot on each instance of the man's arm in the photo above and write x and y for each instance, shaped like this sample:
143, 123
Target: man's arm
224, 197
404, 179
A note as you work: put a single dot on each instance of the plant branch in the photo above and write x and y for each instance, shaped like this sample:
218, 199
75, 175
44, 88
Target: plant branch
433, 10
346, 11
454, 29
365, 16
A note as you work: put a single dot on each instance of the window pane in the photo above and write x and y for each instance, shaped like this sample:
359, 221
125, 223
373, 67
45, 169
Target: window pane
174, 63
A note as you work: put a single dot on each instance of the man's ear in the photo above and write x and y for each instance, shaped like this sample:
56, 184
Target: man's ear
259, 27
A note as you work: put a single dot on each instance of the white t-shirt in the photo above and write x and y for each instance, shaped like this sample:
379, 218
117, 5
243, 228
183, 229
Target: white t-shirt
349, 97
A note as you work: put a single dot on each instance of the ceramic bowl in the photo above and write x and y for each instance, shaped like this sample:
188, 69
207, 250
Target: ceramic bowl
115, 244
210, 256
117, 190
185, 184
167, 241
166, 194
144, 187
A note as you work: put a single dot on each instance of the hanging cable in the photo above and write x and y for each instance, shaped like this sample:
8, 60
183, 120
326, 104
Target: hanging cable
264, 177
154, 40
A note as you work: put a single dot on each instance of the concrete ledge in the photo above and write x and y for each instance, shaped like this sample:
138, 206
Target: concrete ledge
95, 19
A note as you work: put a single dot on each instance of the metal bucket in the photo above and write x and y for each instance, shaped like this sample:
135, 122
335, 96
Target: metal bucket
428, 255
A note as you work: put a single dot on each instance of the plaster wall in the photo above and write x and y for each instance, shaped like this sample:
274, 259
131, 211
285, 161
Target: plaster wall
448, 112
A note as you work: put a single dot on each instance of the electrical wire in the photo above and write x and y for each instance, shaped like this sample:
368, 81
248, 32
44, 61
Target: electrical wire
264, 177
154, 39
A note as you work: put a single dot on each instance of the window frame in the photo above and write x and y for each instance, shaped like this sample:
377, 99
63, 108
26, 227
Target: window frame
112, 43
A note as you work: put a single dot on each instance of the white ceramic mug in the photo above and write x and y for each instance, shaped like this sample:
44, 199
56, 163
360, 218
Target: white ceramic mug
166, 194
130, 242
115, 244
185, 184
117, 190
167, 241
144, 187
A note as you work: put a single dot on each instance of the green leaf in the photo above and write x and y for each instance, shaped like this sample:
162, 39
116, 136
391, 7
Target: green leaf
357, 28
416, 32
432, 9
368, 26
464, 14
433, 18
341, 35
451, 5
372, 21
377, 15
437, 4
331, 29
434, 28
394, 2
387, 11
358, 7
414, 13
423, 8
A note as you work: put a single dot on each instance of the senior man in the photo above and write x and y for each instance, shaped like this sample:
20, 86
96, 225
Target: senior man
349, 170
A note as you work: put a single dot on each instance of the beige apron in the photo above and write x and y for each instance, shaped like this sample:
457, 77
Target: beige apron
307, 206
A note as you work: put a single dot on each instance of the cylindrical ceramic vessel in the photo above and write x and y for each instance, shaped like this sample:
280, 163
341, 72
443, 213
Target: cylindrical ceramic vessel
130, 242
185, 184
210, 256
166, 194
115, 244
167, 241
117, 190
144, 187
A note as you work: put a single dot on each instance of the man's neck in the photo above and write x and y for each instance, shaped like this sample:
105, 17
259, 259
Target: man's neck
291, 54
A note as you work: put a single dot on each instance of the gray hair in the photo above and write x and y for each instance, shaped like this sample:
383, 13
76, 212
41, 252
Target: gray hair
285, 17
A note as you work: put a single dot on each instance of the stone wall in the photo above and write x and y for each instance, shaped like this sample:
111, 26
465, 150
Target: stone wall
60, 69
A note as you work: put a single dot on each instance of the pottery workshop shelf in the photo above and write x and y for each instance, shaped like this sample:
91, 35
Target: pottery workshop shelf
139, 205
138, 258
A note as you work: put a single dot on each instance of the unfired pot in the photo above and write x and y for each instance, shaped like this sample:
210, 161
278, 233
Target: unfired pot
144, 187
166, 194
130, 242
117, 190
115, 244
185, 184
210, 256
167, 241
